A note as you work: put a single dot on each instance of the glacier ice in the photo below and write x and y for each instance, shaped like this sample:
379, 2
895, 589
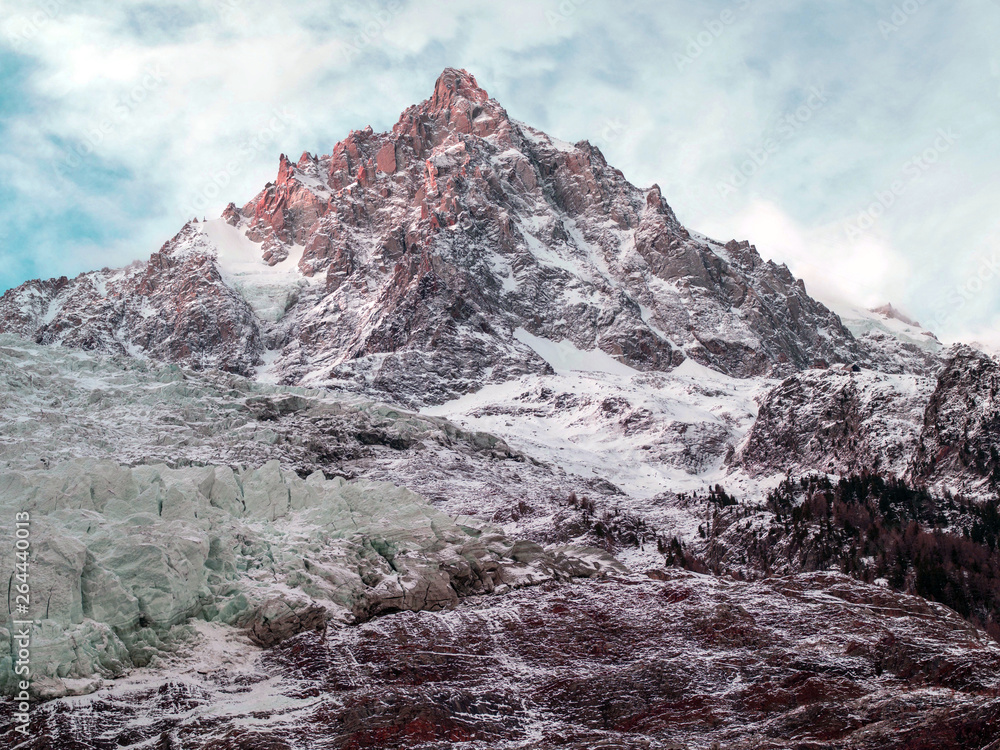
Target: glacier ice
123, 557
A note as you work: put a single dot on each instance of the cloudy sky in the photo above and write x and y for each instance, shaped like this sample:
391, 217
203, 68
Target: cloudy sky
856, 140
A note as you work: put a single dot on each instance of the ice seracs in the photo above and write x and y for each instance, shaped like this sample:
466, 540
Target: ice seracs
124, 557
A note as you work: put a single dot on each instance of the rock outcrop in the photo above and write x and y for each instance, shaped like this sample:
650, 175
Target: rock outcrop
837, 421
176, 307
960, 434
941, 431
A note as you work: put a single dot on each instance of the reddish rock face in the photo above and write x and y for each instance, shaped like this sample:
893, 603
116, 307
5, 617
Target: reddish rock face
683, 661
462, 220
385, 160
431, 244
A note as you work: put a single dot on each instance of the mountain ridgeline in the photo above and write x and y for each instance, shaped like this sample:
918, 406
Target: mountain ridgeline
407, 263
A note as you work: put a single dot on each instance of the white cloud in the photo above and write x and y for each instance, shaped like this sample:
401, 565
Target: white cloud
868, 272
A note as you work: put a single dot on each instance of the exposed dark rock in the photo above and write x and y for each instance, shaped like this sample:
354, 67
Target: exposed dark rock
276, 621
960, 435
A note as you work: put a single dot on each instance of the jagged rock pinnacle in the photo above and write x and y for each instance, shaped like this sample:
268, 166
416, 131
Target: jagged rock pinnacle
454, 83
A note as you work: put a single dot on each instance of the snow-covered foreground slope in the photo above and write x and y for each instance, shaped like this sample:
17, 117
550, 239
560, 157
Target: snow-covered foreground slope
280, 542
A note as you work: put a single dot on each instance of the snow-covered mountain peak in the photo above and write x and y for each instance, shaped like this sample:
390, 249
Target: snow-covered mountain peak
887, 310
560, 381
403, 263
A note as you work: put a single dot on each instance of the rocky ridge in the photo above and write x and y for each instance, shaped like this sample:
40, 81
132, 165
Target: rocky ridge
937, 431
405, 263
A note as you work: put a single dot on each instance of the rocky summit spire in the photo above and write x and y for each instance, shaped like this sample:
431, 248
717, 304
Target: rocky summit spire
458, 106
455, 84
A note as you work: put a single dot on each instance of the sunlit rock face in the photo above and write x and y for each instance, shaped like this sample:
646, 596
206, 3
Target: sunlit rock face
404, 262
